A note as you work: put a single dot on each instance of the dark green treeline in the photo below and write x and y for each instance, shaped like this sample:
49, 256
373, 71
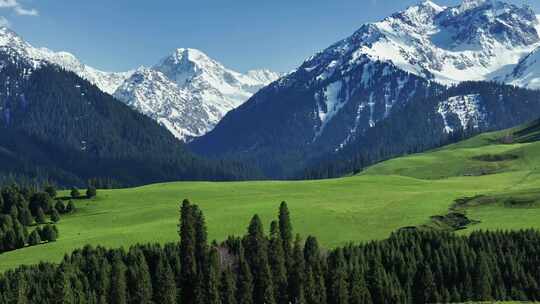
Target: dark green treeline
278, 268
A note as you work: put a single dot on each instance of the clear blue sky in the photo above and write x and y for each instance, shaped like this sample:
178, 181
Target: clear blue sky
117, 35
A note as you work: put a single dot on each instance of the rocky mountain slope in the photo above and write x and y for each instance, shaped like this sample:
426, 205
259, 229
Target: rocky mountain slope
57, 127
340, 93
187, 92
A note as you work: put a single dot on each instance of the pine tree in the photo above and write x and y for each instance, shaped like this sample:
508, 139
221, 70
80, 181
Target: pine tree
482, 279
227, 288
285, 229
256, 246
91, 192
49, 233
118, 293
165, 289
297, 282
22, 289
25, 217
34, 238
424, 285
63, 289
51, 190
75, 193
276, 258
40, 216
187, 253
244, 290
315, 285
55, 217
70, 208
212, 282
139, 281
359, 293
60, 207
337, 278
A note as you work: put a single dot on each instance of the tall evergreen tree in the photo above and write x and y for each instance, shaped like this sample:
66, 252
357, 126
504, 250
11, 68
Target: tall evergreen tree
285, 228
187, 253
276, 258
118, 292
165, 289
337, 278
424, 285
245, 286
256, 246
139, 280
227, 288
213, 275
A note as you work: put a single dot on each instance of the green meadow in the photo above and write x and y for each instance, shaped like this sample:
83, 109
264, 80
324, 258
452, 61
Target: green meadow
406, 191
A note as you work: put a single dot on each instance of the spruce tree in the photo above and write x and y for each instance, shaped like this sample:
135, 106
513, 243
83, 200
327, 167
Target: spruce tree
285, 228
212, 280
424, 285
34, 238
256, 246
40, 216
359, 293
165, 289
187, 253
337, 278
244, 281
227, 288
91, 192
482, 279
75, 193
118, 293
139, 280
297, 282
276, 258
55, 217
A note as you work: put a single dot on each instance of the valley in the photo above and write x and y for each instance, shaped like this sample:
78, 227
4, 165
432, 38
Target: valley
399, 193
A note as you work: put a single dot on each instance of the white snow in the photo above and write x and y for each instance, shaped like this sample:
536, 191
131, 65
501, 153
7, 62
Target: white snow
467, 109
189, 93
333, 103
105, 81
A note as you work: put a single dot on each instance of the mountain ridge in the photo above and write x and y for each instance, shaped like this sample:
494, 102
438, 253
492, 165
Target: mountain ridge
337, 95
213, 87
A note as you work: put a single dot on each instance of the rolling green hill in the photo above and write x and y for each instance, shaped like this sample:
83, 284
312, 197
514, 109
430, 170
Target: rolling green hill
500, 178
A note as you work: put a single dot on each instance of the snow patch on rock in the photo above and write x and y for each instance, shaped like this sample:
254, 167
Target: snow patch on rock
466, 108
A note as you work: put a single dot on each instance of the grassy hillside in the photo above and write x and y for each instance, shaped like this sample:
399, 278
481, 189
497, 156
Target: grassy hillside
502, 181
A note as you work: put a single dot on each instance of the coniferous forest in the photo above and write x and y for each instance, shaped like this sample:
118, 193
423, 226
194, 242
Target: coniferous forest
412, 266
27, 216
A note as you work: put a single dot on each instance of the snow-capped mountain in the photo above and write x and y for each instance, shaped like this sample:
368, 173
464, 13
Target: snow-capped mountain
527, 72
477, 40
12, 43
188, 92
338, 94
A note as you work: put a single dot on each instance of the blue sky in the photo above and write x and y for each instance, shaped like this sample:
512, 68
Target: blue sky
117, 35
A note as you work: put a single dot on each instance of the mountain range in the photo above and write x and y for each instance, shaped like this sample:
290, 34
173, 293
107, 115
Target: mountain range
187, 92
331, 102
412, 81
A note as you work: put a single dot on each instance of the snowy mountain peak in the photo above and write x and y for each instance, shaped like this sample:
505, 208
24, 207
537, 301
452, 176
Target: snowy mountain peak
420, 13
188, 92
13, 43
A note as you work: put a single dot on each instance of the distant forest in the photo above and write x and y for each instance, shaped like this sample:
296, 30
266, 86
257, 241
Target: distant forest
56, 127
411, 266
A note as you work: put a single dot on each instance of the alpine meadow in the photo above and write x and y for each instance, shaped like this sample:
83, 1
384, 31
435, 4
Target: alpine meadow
400, 164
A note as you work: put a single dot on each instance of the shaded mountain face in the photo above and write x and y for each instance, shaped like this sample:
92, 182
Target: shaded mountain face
59, 127
188, 92
336, 96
